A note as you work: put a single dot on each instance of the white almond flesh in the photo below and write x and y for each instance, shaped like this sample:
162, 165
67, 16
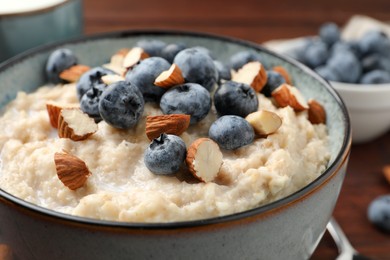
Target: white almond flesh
134, 56
264, 122
253, 74
111, 78
75, 124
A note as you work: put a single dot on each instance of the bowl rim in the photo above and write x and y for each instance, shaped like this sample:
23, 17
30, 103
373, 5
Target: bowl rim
36, 11
339, 160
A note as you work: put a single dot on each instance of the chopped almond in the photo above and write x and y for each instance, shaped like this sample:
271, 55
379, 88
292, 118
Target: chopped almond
170, 78
253, 74
174, 124
264, 122
74, 73
286, 95
75, 124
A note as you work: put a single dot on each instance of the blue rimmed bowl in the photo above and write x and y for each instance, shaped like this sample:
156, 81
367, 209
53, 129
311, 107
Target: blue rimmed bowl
289, 228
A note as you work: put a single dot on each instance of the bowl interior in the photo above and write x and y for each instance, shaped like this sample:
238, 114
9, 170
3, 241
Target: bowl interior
26, 72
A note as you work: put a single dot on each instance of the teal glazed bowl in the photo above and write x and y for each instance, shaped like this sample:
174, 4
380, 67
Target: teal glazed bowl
289, 228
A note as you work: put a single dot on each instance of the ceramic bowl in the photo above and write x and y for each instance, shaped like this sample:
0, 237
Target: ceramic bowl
27, 24
289, 228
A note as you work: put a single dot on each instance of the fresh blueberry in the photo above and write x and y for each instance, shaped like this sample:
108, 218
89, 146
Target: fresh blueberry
375, 77
231, 132
274, 80
316, 54
233, 98
354, 46
346, 65
374, 41
379, 212
327, 73
58, 61
144, 74
89, 103
152, 47
329, 33
206, 51
197, 67
121, 105
243, 57
171, 50
375, 61
90, 79
189, 98
223, 71
165, 154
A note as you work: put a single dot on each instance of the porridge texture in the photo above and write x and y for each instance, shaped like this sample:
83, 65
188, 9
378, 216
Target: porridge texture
121, 188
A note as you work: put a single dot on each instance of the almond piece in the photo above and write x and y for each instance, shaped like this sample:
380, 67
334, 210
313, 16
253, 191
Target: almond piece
170, 78
74, 73
71, 170
111, 78
116, 68
73, 123
204, 159
386, 173
316, 113
253, 73
286, 95
5, 252
53, 109
264, 122
174, 124
134, 56
282, 71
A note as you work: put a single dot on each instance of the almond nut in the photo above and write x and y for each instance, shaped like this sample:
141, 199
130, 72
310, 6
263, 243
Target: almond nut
135, 55
264, 122
71, 170
286, 95
282, 71
75, 124
74, 73
111, 78
204, 159
170, 78
174, 124
53, 109
316, 113
253, 73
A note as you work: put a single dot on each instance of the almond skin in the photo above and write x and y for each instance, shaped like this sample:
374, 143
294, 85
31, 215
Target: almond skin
74, 73
253, 73
170, 78
204, 159
75, 124
71, 170
174, 124
286, 95
54, 109
316, 113
282, 71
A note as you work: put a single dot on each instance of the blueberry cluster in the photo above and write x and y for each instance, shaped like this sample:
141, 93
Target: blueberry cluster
363, 61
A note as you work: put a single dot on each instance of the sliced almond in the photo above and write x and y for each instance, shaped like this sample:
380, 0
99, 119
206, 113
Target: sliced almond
174, 124
386, 173
253, 73
170, 78
53, 109
74, 73
134, 56
204, 159
264, 122
71, 170
316, 113
282, 71
286, 95
73, 123
111, 78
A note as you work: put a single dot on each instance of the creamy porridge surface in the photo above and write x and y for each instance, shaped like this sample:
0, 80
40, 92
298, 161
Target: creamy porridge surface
121, 188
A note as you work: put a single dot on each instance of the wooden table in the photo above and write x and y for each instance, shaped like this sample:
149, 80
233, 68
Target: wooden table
260, 21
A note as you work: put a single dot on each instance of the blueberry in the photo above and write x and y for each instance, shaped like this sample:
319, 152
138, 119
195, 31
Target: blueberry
121, 105
189, 98
152, 47
206, 51
171, 50
375, 42
165, 154
58, 61
233, 98
231, 132
346, 65
90, 79
375, 61
316, 54
243, 57
274, 80
89, 103
223, 71
376, 77
144, 74
327, 73
197, 67
329, 33
379, 212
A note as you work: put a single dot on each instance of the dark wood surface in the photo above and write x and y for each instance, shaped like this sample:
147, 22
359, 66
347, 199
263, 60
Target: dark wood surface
260, 21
